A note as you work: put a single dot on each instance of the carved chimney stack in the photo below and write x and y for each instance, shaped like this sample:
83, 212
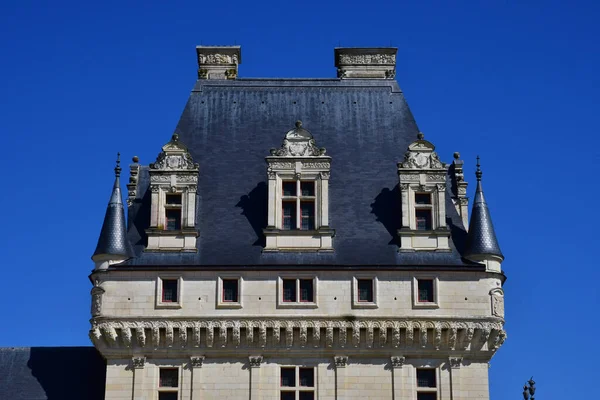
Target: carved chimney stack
366, 63
218, 62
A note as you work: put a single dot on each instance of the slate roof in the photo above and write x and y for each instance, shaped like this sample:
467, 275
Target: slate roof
229, 127
51, 373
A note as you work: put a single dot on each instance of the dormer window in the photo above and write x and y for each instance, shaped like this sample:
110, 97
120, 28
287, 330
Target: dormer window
298, 209
423, 188
173, 182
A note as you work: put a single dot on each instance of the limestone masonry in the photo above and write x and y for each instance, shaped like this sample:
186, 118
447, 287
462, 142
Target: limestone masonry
297, 239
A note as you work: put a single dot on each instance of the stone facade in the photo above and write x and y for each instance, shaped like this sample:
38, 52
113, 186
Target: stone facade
298, 320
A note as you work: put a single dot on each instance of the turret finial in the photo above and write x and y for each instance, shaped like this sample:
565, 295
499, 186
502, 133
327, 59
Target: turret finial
478, 173
420, 136
298, 124
118, 167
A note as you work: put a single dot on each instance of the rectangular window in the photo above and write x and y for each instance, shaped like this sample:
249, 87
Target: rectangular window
169, 378
169, 290
426, 378
173, 219
306, 290
307, 215
423, 219
425, 290
426, 396
167, 396
173, 199
289, 290
230, 290
289, 215
297, 383
365, 290
422, 198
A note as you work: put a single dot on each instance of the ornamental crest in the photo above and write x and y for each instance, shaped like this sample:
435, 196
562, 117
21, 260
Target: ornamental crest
421, 155
174, 156
298, 143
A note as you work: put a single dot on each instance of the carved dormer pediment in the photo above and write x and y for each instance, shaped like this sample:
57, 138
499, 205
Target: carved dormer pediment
174, 155
298, 142
421, 155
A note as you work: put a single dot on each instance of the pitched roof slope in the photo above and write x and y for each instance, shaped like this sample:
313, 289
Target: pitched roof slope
229, 127
48, 373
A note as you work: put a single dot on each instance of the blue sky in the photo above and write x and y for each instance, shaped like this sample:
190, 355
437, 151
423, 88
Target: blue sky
515, 82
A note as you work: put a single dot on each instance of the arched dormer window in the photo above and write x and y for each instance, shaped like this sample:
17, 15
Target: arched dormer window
298, 209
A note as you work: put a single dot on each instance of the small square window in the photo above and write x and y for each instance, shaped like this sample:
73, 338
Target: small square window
169, 290
426, 378
426, 396
169, 378
307, 188
230, 290
307, 377
306, 290
365, 290
289, 290
289, 188
423, 220
425, 290
173, 219
173, 199
167, 396
422, 198
288, 377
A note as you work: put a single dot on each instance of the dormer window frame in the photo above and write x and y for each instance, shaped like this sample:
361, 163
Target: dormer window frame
301, 162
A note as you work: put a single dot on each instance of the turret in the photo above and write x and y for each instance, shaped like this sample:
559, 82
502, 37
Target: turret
482, 245
113, 246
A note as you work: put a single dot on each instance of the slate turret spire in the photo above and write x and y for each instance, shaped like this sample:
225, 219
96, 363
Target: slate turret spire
482, 244
112, 245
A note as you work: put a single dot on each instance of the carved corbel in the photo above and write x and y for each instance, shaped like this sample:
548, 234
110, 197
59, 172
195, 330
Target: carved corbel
196, 361
397, 361
255, 361
340, 361
455, 362
138, 362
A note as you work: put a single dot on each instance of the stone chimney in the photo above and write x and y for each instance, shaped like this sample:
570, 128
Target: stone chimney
218, 62
366, 63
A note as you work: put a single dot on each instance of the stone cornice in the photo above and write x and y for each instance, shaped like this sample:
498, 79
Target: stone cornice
158, 335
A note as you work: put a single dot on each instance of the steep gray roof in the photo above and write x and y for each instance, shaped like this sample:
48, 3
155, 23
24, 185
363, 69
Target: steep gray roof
229, 127
51, 373
481, 240
113, 235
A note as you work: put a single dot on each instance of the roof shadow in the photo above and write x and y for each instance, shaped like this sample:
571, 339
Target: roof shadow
387, 208
254, 208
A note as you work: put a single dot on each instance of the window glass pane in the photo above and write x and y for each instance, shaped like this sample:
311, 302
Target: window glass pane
307, 396
306, 290
173, 219
307, 188
174, 199
307, 377
167, 396
169, 293
288, 396
426, 396
230, 290
289, 188
365, 290
307, 213
426, 378
169, 377
288, 377
425, 290
423, 220
423, 198
289, 290
289, 215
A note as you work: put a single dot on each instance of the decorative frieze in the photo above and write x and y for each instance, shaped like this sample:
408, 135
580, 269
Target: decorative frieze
485, 334
218, 62
365, 63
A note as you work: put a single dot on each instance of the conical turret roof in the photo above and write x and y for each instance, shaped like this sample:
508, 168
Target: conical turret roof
481, 240
113, 239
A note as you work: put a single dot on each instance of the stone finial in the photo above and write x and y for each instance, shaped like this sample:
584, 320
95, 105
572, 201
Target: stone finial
478, 173
118, 166
366, 63
218, 62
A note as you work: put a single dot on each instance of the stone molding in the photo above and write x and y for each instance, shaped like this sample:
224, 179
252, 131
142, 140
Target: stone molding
397, 361
160, 335
196, 361
138, 362
340, 361
255, 361
455, 362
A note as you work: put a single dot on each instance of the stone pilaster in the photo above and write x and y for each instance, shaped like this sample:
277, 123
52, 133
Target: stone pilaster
340, 377
255, 372
195, 366
138, 364
454, 364
396, 362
